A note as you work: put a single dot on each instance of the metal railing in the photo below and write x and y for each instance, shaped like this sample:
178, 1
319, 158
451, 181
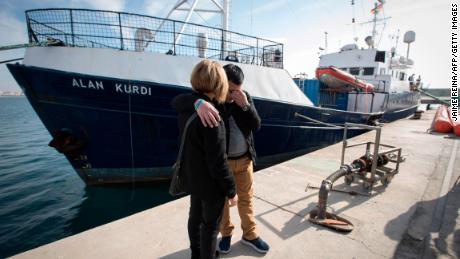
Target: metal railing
126, 31
380, 86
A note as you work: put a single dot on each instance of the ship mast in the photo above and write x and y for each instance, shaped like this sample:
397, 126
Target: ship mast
374, 21
222, 8
377, 7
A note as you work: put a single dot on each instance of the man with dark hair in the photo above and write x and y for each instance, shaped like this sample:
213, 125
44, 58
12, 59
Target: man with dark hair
241, 120
234, 74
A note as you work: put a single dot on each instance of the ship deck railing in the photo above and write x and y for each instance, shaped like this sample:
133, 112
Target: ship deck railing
380, 86
133, 32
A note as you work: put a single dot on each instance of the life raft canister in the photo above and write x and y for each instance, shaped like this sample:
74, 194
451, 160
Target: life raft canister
441, 121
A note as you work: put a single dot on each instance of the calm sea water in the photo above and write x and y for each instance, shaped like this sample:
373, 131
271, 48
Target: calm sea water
41, 197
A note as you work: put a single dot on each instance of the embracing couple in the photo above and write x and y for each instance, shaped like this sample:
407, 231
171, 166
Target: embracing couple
218, 158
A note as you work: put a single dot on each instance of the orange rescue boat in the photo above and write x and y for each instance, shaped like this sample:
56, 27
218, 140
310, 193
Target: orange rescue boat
336, 78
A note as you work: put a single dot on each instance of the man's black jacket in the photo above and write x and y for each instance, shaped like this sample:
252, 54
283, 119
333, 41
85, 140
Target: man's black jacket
204, 155
247, 121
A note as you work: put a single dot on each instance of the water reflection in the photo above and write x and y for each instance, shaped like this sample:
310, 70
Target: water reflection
102, 205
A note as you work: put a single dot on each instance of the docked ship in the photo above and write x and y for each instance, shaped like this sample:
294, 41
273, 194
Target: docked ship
102, 82
366, 79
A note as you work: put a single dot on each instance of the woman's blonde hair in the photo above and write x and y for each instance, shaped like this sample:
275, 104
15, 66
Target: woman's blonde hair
209, 77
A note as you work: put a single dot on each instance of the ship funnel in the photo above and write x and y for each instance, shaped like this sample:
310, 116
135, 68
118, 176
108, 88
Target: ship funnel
202, 44
369, 41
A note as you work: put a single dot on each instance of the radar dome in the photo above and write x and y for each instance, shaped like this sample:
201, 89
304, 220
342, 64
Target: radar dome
409, 37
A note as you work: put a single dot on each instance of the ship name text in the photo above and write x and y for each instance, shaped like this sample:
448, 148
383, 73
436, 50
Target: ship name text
119, 87
80, 83
133, 89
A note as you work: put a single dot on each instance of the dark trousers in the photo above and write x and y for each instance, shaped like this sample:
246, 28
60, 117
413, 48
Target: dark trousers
203, 225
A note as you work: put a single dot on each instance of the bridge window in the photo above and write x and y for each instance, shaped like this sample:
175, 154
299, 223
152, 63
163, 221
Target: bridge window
368, 71
380, 56
354, 71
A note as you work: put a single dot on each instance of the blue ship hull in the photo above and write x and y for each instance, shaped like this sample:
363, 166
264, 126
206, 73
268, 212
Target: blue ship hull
129, 136
396, 105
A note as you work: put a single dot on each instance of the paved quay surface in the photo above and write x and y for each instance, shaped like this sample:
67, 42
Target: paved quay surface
415, 216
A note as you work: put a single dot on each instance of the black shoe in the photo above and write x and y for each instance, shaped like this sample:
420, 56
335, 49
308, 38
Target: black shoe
225, 244
258, 244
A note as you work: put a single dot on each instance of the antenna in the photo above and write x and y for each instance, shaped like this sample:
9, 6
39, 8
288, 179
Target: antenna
353, 19
394, 50
325, 41
374, 21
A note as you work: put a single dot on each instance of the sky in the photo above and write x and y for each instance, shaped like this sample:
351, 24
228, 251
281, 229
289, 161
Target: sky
299, 24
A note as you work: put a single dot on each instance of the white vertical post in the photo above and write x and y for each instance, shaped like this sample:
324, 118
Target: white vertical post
225, 14
407, 55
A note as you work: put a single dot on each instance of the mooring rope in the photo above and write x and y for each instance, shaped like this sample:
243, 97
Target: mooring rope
10, 60
21, 46
316, 121
328, 125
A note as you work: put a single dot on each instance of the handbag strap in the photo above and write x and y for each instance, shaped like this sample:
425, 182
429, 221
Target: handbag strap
190, 119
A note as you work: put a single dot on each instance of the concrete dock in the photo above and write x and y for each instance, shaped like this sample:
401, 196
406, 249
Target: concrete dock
415, 216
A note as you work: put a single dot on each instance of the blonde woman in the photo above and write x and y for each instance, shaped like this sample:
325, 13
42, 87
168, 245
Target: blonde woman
208, 178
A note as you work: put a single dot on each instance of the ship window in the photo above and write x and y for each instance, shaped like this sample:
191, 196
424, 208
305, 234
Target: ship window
402, 76
380, 56
343, 69
368, 71
354, 71
392, 72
